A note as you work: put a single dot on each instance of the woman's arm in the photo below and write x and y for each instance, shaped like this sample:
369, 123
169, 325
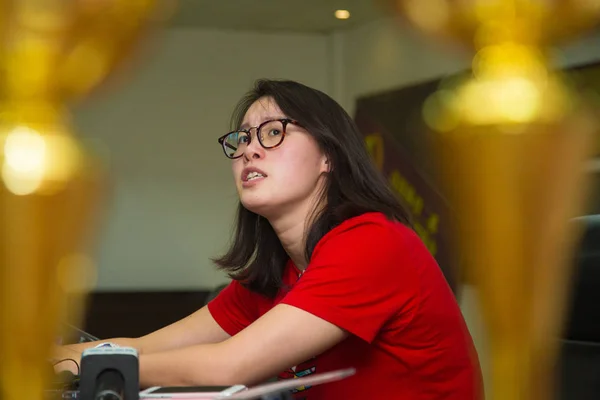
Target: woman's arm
357, 281
283, 337
197, 328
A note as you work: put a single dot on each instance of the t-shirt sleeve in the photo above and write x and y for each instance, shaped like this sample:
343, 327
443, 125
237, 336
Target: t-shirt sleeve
234, 308
361, 277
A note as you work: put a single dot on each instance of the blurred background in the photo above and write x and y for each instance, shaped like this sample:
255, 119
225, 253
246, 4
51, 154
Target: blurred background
172, 201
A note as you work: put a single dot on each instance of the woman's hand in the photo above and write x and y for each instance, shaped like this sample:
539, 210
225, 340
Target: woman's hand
66, 359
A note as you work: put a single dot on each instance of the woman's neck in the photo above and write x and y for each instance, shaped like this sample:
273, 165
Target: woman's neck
291, 233
291, 227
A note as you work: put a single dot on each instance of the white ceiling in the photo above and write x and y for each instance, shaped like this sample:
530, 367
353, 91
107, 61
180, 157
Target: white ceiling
274, 15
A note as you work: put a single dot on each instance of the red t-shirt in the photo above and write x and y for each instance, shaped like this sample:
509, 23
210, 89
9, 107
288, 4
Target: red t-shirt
375, 279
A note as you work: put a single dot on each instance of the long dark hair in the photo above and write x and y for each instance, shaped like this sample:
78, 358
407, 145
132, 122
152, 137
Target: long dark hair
353, 185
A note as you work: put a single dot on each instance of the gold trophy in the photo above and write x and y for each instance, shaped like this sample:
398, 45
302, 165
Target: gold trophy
513, 139
52, 53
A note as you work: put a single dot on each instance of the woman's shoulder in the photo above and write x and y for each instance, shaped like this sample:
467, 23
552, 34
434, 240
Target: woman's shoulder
373, 228
372, 223
370, 248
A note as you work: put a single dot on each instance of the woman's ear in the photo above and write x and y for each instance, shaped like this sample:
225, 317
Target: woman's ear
326, 166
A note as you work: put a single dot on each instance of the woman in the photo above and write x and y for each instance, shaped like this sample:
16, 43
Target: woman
327, 273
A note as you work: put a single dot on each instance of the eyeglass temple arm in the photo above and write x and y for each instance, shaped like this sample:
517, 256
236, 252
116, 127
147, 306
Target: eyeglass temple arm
228, 145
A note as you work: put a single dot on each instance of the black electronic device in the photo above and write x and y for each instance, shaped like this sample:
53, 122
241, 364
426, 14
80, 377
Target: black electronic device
109, 373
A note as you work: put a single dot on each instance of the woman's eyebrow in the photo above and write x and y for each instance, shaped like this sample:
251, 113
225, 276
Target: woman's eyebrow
246, 125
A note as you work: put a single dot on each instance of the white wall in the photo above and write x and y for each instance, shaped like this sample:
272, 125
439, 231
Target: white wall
173, 198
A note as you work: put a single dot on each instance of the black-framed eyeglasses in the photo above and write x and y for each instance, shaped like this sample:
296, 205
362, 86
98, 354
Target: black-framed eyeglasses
270, 134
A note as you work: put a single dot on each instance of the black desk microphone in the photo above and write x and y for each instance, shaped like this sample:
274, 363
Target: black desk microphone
110, 385
110, 373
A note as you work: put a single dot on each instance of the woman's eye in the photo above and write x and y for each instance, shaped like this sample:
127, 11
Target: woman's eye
242, 139
274, 132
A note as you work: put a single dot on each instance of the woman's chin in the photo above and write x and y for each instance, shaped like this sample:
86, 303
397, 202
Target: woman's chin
256, 205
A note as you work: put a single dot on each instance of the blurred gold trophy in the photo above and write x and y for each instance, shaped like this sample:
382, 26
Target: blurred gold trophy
513, 143
52, 52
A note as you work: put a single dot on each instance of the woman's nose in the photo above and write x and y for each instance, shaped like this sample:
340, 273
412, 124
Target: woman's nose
254, 150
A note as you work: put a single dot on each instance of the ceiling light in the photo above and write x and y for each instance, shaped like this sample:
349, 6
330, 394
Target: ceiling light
342, 14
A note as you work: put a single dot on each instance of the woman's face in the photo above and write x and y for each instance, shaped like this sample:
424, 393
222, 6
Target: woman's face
282, 179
